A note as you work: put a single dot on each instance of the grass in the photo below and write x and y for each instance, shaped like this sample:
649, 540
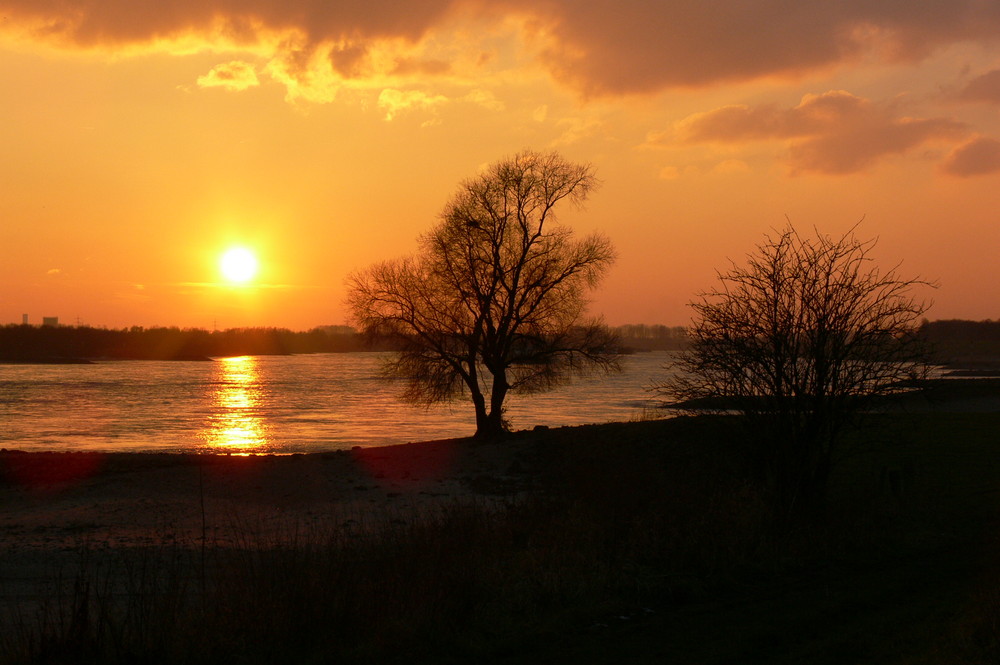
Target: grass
645, 542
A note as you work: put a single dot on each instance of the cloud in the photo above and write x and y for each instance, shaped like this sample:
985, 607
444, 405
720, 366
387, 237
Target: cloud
95, 23
394, 102
576, 129
731, 167
978, 156
835, 132
599, 47
633, 46
985, 88
412, 66
236, 75
485, 99
311, 46
307, 77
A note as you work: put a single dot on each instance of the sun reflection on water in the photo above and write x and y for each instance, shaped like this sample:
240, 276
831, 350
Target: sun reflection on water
235, 421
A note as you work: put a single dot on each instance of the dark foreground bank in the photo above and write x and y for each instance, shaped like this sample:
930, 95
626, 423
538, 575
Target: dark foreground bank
625, 543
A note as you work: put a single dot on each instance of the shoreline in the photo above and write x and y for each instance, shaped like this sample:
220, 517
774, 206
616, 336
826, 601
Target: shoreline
53, 499
58, 501
960, 394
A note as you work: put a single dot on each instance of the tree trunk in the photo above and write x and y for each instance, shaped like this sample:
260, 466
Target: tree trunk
492, 424
491, 428
482, 418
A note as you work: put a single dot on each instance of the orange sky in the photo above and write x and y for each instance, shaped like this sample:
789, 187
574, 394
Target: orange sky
141, 140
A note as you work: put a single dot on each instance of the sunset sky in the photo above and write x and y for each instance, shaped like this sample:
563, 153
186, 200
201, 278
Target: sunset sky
142, 140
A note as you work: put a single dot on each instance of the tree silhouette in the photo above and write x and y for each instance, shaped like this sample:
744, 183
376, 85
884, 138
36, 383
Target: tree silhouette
494, 301
808, 334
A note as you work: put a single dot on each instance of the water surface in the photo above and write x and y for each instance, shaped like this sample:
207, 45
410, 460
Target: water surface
271, 404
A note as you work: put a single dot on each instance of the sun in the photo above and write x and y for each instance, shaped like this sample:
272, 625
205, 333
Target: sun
238, 265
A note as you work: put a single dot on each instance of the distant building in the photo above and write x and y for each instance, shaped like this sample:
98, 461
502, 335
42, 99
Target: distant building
24, 319
50, 321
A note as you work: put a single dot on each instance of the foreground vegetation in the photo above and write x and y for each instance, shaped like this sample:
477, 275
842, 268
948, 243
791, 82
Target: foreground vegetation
636, 542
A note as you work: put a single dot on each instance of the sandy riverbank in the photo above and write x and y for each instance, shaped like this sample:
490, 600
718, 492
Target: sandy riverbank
62, 500
58, 510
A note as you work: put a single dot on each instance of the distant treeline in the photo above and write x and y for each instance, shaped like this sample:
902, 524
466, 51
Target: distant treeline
645, 337
22, 343
964, 344
958, 330
25, 343
949, 336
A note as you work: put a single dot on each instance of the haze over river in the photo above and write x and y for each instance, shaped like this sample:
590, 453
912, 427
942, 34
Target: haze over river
272, 404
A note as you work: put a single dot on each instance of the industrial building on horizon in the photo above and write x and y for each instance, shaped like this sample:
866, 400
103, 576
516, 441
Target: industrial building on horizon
51, 321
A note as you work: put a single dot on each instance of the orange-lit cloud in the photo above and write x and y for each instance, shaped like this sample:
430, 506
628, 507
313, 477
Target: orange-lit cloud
633, 46
235, 75
979, 156
310, 46
576, 129
393, 102
835, 132
485, 99
596, 46
97, 23
307, 77
730, 167
985, 88
413, 66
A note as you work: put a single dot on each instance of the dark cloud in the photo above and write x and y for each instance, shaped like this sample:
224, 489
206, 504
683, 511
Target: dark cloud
342, 32
815, 114
835, 132
634, 46
979, 156
985, 88
597, 46
100, 22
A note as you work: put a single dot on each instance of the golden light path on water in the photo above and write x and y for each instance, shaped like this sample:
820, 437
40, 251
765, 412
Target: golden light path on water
235, 423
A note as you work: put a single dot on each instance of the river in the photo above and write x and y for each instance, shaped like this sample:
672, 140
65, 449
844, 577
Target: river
272, 404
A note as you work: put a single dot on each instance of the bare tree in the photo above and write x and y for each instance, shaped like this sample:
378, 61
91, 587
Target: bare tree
804, 337
494, 301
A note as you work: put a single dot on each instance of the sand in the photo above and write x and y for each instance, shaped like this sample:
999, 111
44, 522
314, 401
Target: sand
60, 500
58, 508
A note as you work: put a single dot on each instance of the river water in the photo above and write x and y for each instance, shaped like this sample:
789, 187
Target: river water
272, 404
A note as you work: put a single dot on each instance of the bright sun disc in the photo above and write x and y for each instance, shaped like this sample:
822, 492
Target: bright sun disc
238, 265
